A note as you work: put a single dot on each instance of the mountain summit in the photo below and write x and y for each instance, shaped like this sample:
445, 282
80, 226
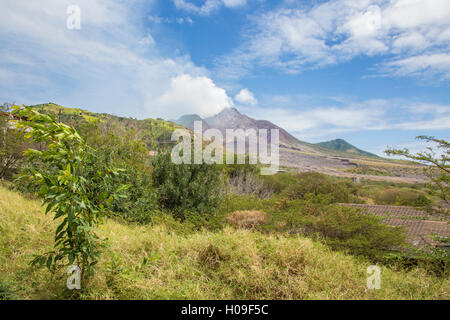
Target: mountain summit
343, 146
231, 118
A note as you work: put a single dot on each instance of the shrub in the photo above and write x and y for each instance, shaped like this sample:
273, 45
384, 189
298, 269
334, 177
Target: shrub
313, 184
186, 188
364, 234
246, 219
139, 199
398, 197
422, 201
248, 183
279, 182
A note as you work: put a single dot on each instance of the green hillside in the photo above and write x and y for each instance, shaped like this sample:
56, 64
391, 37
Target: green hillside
153, 133
343, 146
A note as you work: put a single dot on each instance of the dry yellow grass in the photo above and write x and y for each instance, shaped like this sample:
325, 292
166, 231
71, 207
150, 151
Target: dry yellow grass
229, 264
246, 219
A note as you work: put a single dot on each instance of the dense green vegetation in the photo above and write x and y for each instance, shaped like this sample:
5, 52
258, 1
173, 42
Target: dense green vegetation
188, 191
77, 176
12, 147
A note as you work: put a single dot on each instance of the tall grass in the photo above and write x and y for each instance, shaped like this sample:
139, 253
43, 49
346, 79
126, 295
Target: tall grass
157, 262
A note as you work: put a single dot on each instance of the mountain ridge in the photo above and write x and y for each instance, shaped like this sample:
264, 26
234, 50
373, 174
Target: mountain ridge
231, 118
343, 146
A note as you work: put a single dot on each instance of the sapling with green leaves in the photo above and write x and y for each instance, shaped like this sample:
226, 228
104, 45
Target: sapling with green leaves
66, 185
437, 166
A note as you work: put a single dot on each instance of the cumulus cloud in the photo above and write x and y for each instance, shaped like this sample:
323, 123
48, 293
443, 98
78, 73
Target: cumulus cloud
189, 94
412, 36
246, 97
110, 65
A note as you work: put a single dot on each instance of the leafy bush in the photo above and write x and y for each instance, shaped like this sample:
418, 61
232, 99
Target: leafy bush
399, 197
186, 190
434, 260
138, 201
313, 185
279, 182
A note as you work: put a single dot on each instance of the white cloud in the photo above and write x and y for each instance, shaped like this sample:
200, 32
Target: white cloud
427, 64
179, 20
318, 122
412, 36
234, 3
110, 65
193, 95
208, 6
246, 97
147, 40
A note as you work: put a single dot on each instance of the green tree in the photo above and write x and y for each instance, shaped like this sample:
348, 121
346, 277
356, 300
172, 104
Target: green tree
437, 165
12, 145
67, 190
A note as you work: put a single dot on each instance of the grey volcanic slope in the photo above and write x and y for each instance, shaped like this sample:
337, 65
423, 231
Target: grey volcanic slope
230, 118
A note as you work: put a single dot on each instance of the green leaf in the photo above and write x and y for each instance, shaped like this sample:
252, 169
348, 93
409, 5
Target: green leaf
49, 262
61, 226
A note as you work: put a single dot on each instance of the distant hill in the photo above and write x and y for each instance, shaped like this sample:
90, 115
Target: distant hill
188, 120
343, 146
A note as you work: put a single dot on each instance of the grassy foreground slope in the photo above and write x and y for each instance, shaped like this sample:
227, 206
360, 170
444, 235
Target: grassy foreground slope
229, 264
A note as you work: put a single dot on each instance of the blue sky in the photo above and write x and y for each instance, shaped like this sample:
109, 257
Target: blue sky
374, 72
